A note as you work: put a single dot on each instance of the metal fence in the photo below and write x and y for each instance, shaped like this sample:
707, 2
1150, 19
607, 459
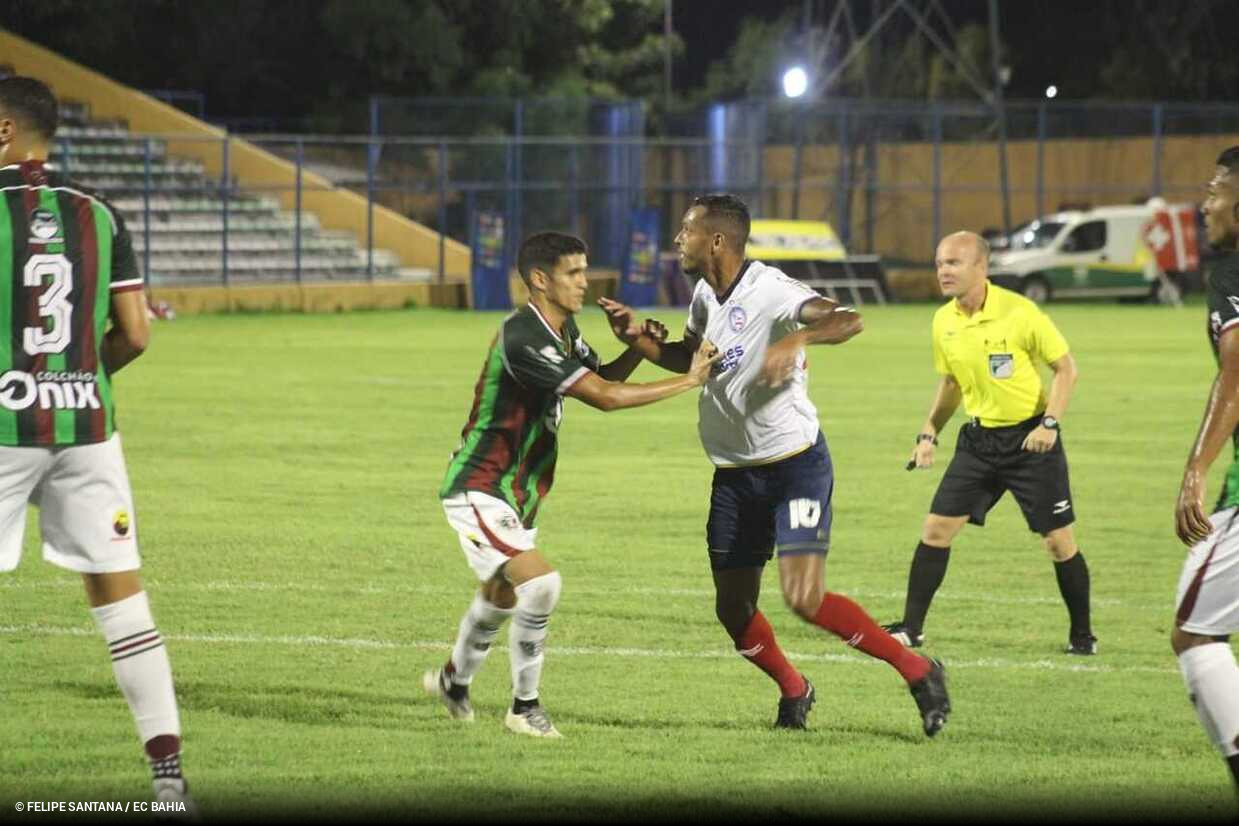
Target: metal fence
892, 177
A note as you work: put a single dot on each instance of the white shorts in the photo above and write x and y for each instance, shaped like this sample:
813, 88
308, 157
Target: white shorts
1208, 598
490, 532
85, 506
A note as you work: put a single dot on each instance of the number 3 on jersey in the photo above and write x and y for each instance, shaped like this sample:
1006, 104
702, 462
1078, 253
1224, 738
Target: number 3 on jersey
53, 303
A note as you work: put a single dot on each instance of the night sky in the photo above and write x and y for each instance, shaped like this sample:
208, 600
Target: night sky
1088, 49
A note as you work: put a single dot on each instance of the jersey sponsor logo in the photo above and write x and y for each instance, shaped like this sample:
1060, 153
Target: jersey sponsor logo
1001, 365
804, 513
729, 360
737, 318
120, 523
50, 390
44, 228
549, 353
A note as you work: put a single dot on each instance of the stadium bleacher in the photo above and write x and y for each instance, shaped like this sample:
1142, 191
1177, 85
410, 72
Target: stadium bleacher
185, 233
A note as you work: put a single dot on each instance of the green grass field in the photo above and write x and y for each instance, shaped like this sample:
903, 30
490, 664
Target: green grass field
285, 470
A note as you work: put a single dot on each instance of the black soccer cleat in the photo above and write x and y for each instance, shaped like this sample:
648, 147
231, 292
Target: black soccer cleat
932, 699
1081, 645
794, 711
905, 637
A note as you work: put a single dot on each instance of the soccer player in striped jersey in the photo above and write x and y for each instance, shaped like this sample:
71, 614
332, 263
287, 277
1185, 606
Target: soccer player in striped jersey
505, 465
67, 268
1207, 603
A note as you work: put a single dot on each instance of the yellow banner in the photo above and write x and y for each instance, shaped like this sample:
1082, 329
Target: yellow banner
771, 240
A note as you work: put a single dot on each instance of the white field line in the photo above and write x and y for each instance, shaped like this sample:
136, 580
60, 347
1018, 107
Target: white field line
312, 641
372, 589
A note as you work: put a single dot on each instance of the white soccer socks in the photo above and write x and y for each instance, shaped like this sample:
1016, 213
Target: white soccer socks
535, 599
141, 665
1212, 678
478, 629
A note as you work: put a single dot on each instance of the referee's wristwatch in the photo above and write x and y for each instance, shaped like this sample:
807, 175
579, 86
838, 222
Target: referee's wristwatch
1049, 423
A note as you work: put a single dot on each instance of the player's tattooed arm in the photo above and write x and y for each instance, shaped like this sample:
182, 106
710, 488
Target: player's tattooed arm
649, 337
130, 332
826, 322
1216, 427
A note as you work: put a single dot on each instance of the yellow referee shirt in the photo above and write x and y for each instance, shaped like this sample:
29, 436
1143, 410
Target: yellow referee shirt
993, 354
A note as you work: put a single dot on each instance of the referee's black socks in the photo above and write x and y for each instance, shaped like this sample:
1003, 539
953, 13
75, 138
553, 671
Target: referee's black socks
928, 569
1073, 585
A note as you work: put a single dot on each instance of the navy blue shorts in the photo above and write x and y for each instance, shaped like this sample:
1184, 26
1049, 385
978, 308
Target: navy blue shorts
783, 506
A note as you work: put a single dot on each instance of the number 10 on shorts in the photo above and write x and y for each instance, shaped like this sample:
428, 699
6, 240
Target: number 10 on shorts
804, 513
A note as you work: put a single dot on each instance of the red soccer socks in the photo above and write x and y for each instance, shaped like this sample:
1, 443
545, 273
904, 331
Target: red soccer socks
757, 645
840, 615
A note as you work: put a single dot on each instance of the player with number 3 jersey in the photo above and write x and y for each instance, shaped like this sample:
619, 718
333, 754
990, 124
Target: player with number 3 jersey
73, 313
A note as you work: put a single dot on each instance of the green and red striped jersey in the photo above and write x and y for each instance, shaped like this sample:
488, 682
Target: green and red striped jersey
63, 252
509, 445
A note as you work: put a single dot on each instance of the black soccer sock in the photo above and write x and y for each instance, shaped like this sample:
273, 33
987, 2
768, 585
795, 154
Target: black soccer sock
520, 706
928, 569
1073, 584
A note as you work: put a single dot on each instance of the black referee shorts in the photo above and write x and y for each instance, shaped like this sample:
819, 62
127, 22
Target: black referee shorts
989, 461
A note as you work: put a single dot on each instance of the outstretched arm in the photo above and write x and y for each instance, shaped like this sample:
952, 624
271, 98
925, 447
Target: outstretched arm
826, 322
622, 366
650, 338
598, 392
1219, 422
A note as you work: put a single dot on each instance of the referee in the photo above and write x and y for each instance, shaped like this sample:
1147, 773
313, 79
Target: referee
987, 342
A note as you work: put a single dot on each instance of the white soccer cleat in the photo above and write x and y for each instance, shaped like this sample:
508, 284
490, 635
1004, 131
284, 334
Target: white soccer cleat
435, 683
533, 722
172, 800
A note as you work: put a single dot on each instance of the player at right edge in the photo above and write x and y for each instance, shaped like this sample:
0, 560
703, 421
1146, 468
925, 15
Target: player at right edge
1207, 604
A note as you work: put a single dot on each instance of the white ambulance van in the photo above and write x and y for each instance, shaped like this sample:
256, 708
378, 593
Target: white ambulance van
1099, 252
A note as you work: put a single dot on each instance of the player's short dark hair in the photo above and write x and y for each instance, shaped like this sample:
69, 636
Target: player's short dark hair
542, 251
1229, 159
31, 102
727, 214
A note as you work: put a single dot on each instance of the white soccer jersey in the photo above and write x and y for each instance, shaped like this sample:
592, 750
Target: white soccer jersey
742, 422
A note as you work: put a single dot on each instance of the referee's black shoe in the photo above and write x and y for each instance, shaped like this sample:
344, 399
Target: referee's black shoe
903, 635
794, 711
932, 699
1082, 645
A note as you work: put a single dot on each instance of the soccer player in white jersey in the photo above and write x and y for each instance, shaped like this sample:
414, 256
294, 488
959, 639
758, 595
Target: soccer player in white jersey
1208, 599
773, 478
